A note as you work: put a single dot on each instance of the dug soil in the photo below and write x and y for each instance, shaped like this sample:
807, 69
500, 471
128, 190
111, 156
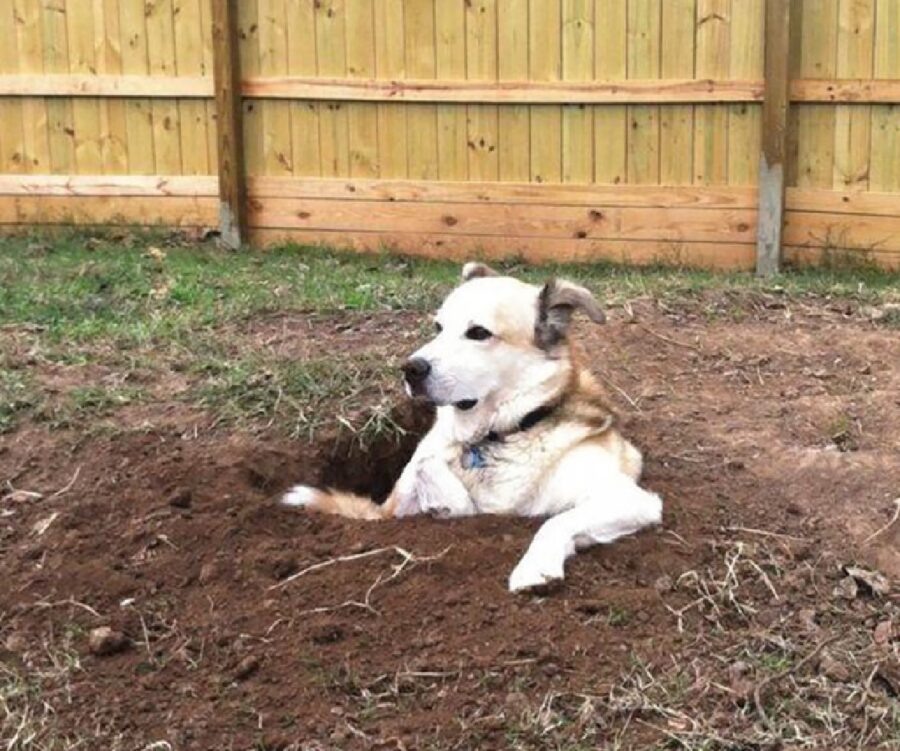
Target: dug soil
770, 429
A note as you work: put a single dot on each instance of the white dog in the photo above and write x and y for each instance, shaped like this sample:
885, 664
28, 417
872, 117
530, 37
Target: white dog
521, 427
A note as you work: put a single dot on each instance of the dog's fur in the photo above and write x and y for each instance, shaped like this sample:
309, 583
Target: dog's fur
521, 427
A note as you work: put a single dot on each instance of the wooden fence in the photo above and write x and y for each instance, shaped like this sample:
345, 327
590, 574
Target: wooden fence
553, 129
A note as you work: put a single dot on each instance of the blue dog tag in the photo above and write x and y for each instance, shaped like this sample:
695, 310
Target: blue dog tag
473, 458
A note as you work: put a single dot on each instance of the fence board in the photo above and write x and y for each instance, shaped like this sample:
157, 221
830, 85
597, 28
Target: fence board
676, 122
644, 17
481, 65
594, 126
514, 121
389, 63
610, 64
450, 63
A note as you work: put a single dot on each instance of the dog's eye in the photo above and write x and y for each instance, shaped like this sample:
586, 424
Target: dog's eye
438, 328
478, 333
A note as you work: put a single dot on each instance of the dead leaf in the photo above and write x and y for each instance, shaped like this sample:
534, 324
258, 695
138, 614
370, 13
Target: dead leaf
876, 582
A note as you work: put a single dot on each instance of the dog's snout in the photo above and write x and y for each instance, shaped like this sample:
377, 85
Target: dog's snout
416, 370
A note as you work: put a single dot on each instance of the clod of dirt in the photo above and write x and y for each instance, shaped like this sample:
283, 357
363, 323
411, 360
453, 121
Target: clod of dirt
181, 498
833, 669
590, 607
884, 632
246, 667
664, 584
739, 680
873, 581
103, 641
282, 568
846, 589
328, 633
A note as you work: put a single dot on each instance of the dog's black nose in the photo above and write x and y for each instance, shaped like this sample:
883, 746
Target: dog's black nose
416, 370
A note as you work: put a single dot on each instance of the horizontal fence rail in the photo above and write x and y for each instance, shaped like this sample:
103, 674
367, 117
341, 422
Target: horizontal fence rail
630, 130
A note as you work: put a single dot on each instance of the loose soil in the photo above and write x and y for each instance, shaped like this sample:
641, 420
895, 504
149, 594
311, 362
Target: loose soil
770, 429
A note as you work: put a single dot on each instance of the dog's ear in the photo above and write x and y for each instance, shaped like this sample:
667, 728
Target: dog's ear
474, 270
557, 301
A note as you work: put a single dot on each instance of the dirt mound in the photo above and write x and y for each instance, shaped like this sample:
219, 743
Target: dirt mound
247, 625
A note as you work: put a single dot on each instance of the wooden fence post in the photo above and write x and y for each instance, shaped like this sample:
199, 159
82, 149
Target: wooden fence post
774, 138
227, 76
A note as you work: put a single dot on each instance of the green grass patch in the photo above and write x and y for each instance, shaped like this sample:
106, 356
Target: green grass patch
300, 396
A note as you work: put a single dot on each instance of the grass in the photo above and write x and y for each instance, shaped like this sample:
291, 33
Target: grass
132, 301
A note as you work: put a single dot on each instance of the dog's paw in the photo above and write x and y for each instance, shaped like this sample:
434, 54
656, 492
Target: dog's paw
535, 576
300, 495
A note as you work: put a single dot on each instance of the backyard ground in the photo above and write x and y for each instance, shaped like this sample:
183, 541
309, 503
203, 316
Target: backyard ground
157, 395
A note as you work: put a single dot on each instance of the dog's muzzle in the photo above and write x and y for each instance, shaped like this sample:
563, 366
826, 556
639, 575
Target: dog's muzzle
415, 372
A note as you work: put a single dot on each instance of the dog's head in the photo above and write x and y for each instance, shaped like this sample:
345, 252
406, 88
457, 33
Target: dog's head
500, 344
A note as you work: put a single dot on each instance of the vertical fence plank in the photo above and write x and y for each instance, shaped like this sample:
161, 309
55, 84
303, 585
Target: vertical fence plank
771, 165
274, 115
481, 65
676, 121
818, 59
744, 119
248, 49
514, 119
421, 119
711, 120
138, 116
85, 112
578, 65
301, 52
450, 54
885, 161
610, 64
108, 40
161, 54
389, 63
644, 18
544, 64
362, 117
227, 74
331, 47
852, 123
12, 133
35, 139
193, 130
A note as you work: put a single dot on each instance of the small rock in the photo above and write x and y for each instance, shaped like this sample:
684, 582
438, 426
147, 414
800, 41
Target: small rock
833, 669
739, 680
246, 667
846, 589
884, 632
874, 581
663, 584
208, 572
103, 641
327, 634
808, 619
590, 607
180, 498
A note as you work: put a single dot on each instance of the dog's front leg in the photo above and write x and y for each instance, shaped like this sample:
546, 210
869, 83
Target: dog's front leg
618, 507
428, 486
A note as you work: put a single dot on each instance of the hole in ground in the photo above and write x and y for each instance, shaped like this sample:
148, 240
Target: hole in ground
370, 466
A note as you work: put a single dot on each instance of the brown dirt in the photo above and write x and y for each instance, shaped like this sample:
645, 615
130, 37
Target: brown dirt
770, 429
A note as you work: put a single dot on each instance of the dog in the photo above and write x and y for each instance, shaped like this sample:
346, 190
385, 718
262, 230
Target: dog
521, 428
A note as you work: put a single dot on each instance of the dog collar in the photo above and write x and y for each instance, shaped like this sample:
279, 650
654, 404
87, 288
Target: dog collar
473, 455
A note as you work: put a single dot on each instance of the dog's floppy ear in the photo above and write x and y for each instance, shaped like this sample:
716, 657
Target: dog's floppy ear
474, 270
557, 301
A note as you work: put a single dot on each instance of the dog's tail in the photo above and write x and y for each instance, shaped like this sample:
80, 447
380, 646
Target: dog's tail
336, 502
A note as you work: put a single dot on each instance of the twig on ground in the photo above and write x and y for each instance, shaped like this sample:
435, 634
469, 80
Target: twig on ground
366, 604
667, 339
622, 391
887, 526
70, 601
68, 487
766, 533
333, 561
772, 680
